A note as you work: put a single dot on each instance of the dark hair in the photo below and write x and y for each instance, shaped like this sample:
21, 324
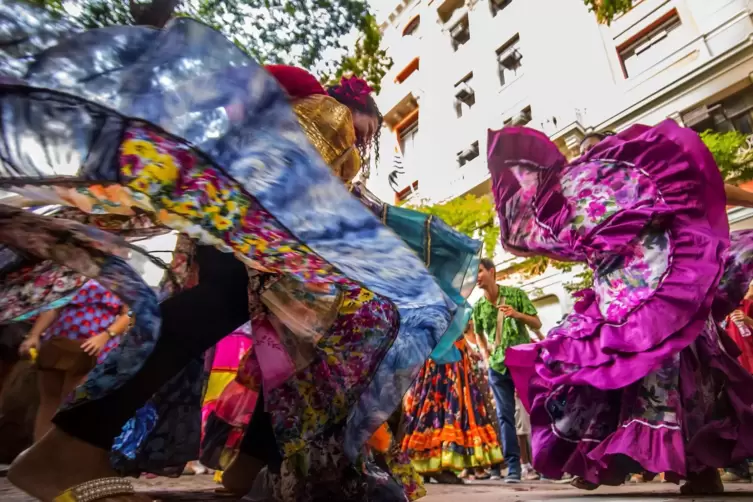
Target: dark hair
601, 136
369, 107
487, 264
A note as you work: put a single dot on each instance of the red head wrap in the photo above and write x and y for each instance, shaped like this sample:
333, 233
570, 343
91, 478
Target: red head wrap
297, 82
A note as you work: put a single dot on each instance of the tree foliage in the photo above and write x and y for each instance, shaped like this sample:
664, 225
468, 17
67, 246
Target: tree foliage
470, 215
732, 154
295, 32
607, 10
367, 59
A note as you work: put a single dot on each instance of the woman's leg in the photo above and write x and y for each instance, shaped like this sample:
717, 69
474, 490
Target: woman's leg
50, 391
707, 482
77, 449
70, 382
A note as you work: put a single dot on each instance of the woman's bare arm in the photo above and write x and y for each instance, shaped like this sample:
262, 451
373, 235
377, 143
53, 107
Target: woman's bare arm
736, 196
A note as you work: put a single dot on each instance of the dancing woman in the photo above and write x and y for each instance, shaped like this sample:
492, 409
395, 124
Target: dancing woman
71, 340
448, 428
639, 378
233, 170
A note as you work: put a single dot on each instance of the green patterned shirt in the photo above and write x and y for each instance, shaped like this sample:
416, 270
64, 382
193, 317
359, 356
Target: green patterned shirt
514, 331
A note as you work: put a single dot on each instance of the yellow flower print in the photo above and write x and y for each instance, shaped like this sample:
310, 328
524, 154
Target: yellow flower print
365, 295
127, 170
140, 184
221, 223
212, 209
186, 208
166, 202
260, 245
243, 248
140, 148
211, 191
163, 170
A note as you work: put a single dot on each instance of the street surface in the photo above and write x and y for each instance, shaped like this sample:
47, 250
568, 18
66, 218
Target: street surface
201, 489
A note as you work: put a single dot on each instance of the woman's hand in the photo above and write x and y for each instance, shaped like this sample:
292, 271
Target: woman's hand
738, 316
94, 345
31, 342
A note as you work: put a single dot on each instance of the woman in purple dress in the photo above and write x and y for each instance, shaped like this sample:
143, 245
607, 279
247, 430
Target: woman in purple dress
638, 378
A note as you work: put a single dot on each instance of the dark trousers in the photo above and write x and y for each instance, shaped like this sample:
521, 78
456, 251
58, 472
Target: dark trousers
192, 322
504, 396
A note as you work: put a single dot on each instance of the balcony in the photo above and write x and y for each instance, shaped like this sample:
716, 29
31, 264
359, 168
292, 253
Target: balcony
406, 50
401, 99
472, 178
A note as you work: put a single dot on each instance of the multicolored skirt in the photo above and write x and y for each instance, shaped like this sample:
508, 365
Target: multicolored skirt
101, 137
447, 424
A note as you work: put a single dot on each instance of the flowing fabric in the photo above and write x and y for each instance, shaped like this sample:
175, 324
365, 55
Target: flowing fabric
151, 126
226, 358
448, 425
451, 257
639, 377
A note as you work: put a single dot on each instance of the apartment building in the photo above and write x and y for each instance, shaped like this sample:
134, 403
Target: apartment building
464, 66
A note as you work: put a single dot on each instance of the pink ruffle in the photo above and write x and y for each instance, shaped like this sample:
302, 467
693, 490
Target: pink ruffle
611, 355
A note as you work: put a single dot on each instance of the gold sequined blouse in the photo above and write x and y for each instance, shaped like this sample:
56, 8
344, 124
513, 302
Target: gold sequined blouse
329, 126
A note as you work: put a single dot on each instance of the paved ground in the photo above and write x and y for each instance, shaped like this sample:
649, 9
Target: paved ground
201, 489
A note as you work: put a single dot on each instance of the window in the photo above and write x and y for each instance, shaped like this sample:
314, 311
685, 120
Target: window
465, 96
651, 47
467, 155
412, 27
523, 118
509, 61
732, 114
498, 5
408, 144
460, 33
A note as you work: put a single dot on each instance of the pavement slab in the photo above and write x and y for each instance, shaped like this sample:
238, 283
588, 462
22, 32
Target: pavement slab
202, 489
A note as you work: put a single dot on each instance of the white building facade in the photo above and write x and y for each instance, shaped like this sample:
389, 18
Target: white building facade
462, 67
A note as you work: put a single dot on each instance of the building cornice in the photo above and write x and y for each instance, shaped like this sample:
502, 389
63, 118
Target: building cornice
736, 55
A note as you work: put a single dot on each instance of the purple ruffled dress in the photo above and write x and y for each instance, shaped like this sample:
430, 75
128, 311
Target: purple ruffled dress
639, 377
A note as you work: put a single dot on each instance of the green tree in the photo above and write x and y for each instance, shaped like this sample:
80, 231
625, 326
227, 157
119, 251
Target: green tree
367, 60
732, 155
607, 10
273, 31
470, 215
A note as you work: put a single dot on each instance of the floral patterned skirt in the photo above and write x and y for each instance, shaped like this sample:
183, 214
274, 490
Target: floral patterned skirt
639, 377
447, 424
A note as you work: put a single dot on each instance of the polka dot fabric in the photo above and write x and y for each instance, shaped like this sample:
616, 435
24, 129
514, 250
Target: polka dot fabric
91, 311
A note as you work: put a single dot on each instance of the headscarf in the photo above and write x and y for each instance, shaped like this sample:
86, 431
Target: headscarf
297, 82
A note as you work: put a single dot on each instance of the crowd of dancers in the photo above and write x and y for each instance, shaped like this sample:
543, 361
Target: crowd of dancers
347, 361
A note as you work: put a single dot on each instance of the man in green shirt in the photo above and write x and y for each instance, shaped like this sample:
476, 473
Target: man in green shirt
501, 320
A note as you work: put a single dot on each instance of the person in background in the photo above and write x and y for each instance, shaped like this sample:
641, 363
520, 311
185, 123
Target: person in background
501, 319
481, 372
447, 424
71, 340
739, 326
